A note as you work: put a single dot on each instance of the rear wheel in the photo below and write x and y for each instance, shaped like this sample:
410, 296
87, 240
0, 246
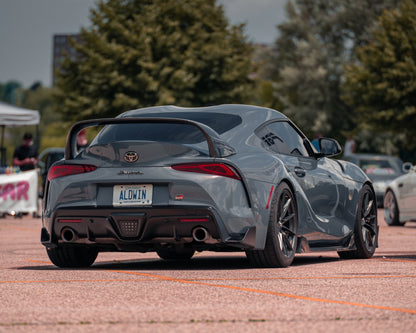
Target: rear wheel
72, 256
391, 211
175, 253
366, 228
281, 240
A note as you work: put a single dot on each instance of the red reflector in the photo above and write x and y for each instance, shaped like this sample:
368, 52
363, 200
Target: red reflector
69, 169
217, 169
194, 219
69, 220
270, 197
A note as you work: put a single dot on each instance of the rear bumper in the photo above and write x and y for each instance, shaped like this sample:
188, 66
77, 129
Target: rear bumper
141, 229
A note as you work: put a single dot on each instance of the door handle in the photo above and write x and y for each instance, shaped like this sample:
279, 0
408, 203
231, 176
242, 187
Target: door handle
300, 172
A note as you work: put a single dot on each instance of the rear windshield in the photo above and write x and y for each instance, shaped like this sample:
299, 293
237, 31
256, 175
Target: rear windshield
173, 133
219, 122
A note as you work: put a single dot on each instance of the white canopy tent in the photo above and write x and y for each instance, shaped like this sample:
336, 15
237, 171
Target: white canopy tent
11, 115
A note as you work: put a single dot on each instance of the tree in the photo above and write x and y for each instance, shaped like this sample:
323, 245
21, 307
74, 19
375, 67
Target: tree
52, 130
381, 86
141, 53
12, 92
313, 45
263, 93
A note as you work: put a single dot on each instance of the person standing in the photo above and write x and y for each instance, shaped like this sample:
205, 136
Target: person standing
82, 141
25, 156
315, 141
350, 146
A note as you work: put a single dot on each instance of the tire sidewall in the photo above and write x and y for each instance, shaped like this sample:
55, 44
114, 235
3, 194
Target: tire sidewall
395, 219
274, 229
360, 242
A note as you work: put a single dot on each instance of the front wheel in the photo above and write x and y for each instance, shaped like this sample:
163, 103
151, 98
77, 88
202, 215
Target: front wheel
366, 228
72, 256
281, 240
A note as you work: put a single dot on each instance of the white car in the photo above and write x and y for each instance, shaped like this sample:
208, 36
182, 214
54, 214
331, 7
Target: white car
400, 198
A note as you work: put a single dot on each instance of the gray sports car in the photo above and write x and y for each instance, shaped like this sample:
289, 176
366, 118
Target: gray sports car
222, 178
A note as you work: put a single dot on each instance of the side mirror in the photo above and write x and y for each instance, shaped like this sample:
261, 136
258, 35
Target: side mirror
407, 167
328, 147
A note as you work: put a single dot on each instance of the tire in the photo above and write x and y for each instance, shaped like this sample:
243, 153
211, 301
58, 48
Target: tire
391, 210
366, 228
175, 253
72, 256
281, 239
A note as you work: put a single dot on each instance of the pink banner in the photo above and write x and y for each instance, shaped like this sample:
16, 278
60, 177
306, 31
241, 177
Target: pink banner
19, 192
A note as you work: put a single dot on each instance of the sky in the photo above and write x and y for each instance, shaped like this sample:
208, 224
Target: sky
27, 28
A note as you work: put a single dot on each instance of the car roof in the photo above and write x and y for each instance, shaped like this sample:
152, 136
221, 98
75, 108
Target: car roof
372, 156
51, 150
375, 157
252, 116
394, 161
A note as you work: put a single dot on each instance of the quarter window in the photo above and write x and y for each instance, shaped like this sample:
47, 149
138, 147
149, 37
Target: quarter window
281, 137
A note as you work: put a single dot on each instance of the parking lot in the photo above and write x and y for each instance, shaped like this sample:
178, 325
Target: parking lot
135, 292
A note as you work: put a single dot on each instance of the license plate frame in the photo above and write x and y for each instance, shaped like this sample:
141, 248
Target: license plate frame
133, 195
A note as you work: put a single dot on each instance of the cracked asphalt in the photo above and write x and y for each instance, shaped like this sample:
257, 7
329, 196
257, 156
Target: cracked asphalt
135, 292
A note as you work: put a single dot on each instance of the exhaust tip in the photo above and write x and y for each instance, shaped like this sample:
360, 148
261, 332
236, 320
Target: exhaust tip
200, 234
68, 235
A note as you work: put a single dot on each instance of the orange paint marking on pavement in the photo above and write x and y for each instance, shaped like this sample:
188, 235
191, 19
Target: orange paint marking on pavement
306, 298
210, 279
399, 260
277, 278
309, 278
39, 261
84, 280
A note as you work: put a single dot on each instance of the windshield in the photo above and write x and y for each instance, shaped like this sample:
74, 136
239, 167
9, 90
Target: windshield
379, 167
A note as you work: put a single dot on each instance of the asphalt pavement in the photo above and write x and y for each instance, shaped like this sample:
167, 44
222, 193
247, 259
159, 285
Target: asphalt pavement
135, 292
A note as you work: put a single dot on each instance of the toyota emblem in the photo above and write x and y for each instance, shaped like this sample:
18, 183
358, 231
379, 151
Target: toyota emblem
131, 156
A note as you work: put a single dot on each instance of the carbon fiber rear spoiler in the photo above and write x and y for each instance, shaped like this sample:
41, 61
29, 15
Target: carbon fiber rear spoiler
216, 147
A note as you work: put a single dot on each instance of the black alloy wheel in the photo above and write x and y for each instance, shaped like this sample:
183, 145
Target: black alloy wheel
281, 241
366, 227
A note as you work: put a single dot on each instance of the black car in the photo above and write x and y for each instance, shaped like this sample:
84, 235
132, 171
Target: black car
46, 158
381, 169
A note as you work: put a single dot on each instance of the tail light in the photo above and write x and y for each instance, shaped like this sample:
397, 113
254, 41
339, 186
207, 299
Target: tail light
194, 219
69, 169
217, 169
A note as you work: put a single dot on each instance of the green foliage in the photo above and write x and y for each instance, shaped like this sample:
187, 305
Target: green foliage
263, 93
12, 93
314, 43
140, 53
382, 84
52, 130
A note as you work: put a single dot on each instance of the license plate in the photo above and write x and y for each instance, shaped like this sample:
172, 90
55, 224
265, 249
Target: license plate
132, 195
